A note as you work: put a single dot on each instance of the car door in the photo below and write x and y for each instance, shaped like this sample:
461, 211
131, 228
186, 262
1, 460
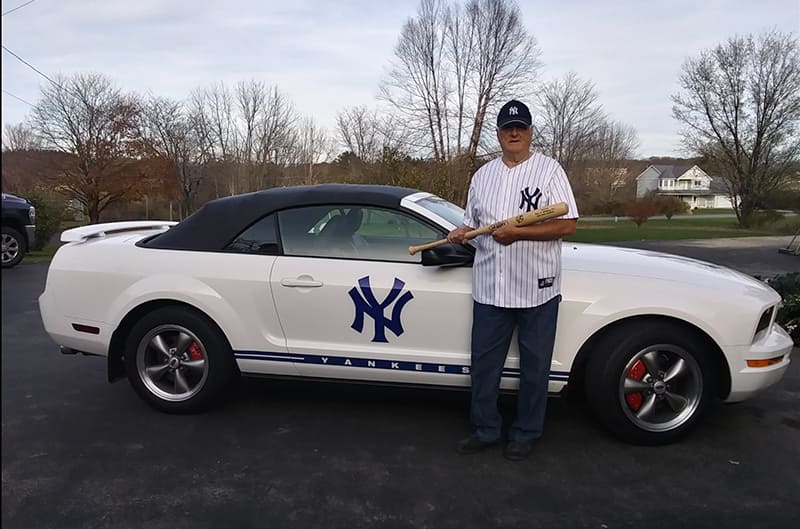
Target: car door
354, 304
259, 345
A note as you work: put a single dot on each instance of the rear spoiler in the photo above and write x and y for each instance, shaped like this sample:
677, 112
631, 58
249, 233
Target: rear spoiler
101, 230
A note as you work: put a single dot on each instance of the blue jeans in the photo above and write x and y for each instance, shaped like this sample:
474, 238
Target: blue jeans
492, 329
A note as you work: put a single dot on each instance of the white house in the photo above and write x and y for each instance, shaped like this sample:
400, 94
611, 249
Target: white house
687, 182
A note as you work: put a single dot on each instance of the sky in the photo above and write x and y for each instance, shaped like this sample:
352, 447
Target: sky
330, 55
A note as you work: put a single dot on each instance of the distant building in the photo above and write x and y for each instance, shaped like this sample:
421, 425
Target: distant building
687, 182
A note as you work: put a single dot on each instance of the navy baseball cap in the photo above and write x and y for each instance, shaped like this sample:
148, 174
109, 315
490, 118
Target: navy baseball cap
514, 113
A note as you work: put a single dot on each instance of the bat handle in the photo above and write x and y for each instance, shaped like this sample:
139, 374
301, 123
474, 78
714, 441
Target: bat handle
414, 249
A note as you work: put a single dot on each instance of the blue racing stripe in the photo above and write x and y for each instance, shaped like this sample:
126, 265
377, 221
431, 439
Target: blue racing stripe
399, 365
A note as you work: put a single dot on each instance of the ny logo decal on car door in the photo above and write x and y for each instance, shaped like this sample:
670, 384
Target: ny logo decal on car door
366, 303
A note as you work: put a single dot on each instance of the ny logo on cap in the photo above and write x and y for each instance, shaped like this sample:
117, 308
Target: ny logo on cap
513, 111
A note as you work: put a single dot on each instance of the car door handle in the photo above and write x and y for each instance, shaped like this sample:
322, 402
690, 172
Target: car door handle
304, 283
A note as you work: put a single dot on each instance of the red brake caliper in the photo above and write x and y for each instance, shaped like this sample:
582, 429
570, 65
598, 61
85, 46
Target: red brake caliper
195, 353
636, 372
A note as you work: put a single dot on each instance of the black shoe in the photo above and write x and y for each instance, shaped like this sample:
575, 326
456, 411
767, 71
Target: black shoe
473, 445
518, 450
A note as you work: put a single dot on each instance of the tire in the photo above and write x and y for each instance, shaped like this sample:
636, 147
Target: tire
650, 383
14, 247
178, 361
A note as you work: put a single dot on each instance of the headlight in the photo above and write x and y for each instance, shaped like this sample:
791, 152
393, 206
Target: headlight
32, 215
764, 322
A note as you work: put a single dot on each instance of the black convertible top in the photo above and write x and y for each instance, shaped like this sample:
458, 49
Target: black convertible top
217, 222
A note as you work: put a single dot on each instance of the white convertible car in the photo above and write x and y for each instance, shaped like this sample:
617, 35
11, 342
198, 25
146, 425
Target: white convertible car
317, 282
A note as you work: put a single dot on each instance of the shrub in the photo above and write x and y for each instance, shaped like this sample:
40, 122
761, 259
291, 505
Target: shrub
788, 286
640, 211
612, 207
783, 199
49, 212
669, 206
766, 217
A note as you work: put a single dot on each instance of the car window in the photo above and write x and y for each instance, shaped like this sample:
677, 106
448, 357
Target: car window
260, 238
447, 210
352, 232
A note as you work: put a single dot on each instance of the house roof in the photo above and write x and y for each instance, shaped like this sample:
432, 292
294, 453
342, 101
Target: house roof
671, 171
718, 185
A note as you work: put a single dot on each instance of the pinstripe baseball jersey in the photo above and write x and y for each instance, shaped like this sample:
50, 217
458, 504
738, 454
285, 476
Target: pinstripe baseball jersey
522, 274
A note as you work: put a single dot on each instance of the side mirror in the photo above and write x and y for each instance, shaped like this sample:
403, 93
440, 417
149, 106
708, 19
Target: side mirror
448, 255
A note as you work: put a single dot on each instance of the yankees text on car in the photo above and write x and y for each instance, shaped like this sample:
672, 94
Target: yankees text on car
318, 282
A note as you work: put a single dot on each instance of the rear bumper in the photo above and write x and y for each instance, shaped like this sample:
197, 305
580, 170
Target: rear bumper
69, 351
749, 381
61, 330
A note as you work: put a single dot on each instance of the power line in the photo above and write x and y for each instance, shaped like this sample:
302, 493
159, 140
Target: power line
32, 67
15, 97
18, 7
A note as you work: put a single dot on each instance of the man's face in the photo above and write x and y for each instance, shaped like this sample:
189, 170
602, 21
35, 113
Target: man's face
515, 139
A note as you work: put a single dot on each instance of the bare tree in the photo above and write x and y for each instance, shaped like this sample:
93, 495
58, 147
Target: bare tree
571, 119
170, 133
359, 131
274, 137
615, 143
451, 64
85, 115
251, 101
507, 59
460, 44
247, 132
740, 107
313, 147
20, 137
211, 109
417, 85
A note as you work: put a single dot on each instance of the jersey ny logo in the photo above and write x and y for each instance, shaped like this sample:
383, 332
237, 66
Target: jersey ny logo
366, 303
530, 200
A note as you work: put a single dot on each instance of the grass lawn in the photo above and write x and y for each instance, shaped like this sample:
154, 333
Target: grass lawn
675, 229
712, 211
41, 256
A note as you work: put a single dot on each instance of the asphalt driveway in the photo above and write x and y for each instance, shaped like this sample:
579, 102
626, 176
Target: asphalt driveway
757, 256
78, 452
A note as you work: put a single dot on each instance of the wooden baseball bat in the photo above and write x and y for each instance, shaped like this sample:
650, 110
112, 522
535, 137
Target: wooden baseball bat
523, 219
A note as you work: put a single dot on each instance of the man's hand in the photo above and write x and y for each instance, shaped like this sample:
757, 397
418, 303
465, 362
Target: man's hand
506, 234
457, 235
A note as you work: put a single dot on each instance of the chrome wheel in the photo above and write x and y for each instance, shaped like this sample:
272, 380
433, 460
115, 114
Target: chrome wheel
171, 362
10, 248
660, 387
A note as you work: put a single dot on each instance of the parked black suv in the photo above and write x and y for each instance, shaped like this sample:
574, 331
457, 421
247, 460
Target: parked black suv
19, 229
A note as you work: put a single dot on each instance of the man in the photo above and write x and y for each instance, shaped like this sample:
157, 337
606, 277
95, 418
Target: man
516, 281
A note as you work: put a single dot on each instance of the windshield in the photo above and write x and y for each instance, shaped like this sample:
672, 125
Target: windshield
447, 210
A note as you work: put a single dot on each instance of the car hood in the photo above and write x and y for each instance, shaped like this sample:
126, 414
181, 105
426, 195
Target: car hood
13, 199
656, 265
